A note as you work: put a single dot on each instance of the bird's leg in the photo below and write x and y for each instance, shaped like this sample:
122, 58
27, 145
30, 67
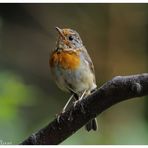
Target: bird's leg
63, 110
82, 105
77, 98
80, 98
67, 103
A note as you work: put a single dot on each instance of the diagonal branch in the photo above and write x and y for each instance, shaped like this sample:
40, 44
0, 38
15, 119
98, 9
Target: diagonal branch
116, 90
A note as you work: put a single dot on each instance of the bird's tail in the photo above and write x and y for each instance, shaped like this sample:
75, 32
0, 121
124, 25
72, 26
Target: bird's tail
91, 125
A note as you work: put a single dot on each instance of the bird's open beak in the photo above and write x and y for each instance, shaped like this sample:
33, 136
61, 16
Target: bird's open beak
60, 32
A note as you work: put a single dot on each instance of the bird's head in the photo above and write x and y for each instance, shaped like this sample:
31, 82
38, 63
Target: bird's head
68, 39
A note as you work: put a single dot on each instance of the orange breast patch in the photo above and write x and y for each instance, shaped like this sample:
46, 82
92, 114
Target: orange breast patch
65, 59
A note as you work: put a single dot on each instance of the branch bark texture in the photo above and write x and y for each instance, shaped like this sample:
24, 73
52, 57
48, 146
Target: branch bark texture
116, 90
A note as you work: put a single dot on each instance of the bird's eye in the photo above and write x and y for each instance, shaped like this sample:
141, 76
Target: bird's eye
70, 38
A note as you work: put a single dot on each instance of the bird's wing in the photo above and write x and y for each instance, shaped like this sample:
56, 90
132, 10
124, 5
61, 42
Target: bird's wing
89, 61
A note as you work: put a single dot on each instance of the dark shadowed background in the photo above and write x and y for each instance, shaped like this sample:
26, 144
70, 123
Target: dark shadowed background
116, 38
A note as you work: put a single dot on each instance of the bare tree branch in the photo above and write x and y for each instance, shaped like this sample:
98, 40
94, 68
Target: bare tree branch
116, 90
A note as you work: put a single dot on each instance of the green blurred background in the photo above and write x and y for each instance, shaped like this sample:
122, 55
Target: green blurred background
116, 38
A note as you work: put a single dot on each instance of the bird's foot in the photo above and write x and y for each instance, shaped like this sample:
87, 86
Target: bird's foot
81, 105
58, 116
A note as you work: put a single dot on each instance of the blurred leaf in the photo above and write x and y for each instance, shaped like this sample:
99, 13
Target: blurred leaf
13, 94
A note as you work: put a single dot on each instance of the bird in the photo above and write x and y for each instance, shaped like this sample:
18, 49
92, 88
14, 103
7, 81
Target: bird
72, 68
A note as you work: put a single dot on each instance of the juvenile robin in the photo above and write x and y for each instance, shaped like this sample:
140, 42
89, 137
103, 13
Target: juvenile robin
72, 68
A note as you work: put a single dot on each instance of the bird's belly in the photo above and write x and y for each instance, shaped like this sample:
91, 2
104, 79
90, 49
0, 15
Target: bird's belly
76, 80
